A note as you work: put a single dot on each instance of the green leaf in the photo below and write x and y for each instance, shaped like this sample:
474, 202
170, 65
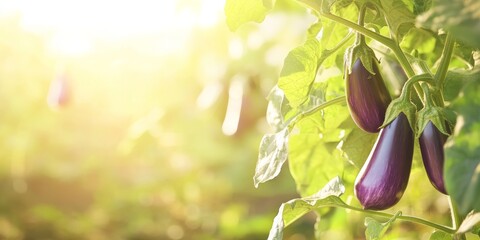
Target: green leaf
399, 18
292, 210
440, 235
469, 222
357, 146
333, 32
375, 230
335, 5
277, 109
314, 29
455, 81
462, 163
313, 157
272, 155
239, 12
420, 6
299, 72
464, 52
279, 112
273, 148
269, 3
423, 43
316, 6
461, 18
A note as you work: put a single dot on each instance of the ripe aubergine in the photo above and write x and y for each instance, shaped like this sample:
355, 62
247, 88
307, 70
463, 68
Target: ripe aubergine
384, 176
431, 145
367, 97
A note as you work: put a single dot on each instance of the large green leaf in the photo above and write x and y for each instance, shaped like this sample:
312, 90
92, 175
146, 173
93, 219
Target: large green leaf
461, 18
462, 163
469, 222
290, 211
399, 18
375, 229
420, 6
272, 155
357, 146
239, 12
313, 157
455, 81
440, 235
274, 147
299, 72
278, 109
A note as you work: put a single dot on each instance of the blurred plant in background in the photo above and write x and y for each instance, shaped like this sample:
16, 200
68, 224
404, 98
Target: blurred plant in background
137, 120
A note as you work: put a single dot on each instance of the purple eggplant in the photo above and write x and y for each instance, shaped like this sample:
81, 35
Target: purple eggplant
431, 145
384, 176
367, 97
59, 92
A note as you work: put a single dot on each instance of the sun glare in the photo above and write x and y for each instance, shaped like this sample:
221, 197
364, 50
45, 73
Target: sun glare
73, 25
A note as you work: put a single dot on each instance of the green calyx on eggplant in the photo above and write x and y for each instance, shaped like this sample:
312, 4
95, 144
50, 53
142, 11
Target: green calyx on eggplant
431, 146
367, 95
384, 176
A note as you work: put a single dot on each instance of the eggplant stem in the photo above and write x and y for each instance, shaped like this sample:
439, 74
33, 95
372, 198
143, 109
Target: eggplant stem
456, 218
361, 20
447, 53
404, 218
326, 104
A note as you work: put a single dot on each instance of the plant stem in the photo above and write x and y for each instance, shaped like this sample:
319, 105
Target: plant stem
308, 112
445, 61
453, 211
405, 218
364, 31
456, 218
390, 43
327, 52
361, 19
402, 59
424, 77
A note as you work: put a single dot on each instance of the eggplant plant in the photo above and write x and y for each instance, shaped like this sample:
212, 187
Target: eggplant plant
325, 123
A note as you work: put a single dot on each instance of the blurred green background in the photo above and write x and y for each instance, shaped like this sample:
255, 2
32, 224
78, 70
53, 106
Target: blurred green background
142, 120
136, 120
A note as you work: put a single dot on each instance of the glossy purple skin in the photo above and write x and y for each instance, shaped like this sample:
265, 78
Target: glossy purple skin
384, 176
431, 145
367, 97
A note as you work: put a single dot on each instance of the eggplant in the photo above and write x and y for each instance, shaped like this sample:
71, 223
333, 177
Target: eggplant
431, 146
367, 97
59, 92
384, 176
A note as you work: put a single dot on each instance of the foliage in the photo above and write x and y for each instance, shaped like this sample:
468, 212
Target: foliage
436, 45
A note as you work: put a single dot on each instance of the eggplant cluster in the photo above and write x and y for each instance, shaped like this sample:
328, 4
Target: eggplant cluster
385, 174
